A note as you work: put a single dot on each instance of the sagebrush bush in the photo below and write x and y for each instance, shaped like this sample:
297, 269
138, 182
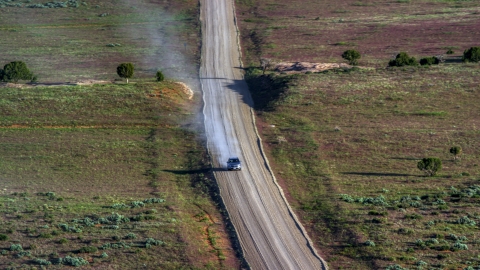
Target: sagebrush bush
42, 261
403, 59
16, 247
369, 243
73, 261
472, 55
131, 236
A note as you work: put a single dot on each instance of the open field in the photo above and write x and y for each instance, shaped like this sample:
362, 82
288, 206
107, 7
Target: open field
361, 134
320, 31
106, 173
345, 144
89, 41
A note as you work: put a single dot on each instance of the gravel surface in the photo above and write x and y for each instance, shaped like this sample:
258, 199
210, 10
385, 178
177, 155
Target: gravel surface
269, 232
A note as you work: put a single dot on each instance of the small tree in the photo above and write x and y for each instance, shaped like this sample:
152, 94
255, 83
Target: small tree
125, 70
403, 59
159, 76
456, 150
15, 71
430, 165
351, 56
472, 55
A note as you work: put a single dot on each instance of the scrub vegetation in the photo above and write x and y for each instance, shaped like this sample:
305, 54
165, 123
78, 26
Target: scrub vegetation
345, 144
105, 176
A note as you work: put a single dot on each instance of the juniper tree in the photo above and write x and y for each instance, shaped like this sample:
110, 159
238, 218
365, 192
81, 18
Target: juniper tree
15, 71
351, 56
125, 70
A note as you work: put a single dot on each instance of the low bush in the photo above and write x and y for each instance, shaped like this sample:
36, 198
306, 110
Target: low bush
3, 237
42, 261
351, 56
72, 261
88, 249
160, 77
472, 55
403, 59
16, 247
429, 61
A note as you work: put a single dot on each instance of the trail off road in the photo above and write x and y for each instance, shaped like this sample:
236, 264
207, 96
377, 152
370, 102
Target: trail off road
270, 235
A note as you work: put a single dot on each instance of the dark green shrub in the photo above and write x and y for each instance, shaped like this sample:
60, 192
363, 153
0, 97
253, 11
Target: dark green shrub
63, 241
455, 151
88, 249
15, 71
159, 76
351, 56
430, 165
450, 51
3, 237
125, 70
403, 59
472, 55
429, 61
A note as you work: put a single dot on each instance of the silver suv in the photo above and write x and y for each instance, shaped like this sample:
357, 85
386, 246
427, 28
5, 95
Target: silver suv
234, 164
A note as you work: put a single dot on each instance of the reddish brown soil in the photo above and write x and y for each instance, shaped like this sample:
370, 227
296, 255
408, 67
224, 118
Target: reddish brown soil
320, 31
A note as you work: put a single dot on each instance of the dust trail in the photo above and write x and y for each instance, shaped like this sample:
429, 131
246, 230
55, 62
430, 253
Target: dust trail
174, 50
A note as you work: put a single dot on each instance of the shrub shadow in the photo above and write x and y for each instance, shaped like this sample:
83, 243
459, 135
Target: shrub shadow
378, 174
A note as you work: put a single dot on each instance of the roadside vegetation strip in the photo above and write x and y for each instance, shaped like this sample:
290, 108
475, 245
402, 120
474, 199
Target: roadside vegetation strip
349, 160
99, 194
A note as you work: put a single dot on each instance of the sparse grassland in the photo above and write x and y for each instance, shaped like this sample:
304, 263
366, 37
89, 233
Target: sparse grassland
345, 147
105, 176
88, 41
320, 31
345, 144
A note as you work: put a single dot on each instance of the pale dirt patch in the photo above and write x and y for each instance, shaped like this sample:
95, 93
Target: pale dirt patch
186, 90
303, 67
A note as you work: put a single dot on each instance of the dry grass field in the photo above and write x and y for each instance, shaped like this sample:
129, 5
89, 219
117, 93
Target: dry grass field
345, 143
97, 174
106, 175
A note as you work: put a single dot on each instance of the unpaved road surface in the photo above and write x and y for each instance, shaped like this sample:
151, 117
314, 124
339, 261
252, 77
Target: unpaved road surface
270, 236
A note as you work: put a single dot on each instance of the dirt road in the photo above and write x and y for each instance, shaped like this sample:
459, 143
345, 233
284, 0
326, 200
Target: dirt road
270, 236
